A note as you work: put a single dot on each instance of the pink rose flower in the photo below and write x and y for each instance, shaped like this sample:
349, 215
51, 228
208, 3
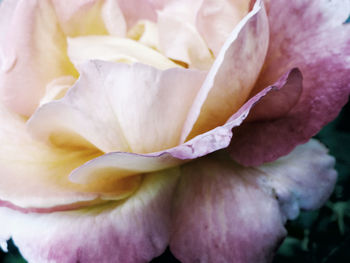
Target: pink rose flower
111, 111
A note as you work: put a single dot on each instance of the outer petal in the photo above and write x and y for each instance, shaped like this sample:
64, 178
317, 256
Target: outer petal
304, 179
33, 53
270, 110
137, 107
315, 39
35, 177
135, 230
232, 76
278, 103
227, 213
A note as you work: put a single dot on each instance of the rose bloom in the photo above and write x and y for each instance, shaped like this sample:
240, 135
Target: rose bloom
131, 125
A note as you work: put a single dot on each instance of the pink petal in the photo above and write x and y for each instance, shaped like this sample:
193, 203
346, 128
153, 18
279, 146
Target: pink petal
132, 231
33, 54
279, 102
307, 181
249, 145
227, 213
137, 107
34, 177
217, 18
221, 215
232, 76
253, 143
249, 137
312, 36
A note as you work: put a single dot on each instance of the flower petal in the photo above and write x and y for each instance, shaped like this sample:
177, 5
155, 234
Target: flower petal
57, 88
280, 101
80, 17
7, 10
113, 18
123, 164
217, 18
35, 177
90, 17
221, 215
115, 49
116, 164
304, 179
316, 40
135, 10
247, 139
232, 75
252, 145
135, 230
137, 107
224, 212
179, 38
34, 51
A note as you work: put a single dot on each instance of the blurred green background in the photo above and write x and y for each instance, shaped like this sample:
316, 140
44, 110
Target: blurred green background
321, 236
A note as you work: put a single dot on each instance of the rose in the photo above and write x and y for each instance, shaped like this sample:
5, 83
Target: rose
118, 168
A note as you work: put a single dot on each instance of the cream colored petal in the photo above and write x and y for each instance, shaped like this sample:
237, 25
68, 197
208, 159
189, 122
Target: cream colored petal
146, 33
111, 48
90, 17
34, 176
113, 18
217, 18
81, 17
180, 40
57, 88
118, 107
122, 164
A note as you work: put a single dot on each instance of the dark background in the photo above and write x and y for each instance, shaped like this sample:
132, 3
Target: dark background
321, 236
